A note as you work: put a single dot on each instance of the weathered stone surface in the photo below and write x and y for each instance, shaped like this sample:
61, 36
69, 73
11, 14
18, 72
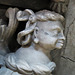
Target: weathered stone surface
67, 60
70, 31
32, 4
67, 67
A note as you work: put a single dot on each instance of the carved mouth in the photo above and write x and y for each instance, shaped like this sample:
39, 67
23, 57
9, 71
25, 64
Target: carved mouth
61, 42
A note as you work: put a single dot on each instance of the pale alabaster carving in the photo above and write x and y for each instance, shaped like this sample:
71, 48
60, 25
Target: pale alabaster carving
6, 32
43, 33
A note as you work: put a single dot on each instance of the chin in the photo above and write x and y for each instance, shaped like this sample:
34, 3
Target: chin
59, 47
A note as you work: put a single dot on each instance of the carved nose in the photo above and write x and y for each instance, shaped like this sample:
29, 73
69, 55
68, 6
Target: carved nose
62, 36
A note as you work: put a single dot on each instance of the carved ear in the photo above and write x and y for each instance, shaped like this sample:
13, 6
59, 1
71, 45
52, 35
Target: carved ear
36, 31
36, 40
24, 15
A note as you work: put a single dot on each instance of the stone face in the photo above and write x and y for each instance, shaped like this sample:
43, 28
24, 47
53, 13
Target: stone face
32, 4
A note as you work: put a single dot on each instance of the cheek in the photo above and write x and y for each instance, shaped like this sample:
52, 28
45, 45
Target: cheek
51, 40
47, 39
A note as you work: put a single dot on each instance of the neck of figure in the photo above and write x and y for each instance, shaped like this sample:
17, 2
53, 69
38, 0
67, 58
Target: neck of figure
39, 48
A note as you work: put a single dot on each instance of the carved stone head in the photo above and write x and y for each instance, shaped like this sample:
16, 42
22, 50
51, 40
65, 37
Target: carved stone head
46, 27
44, 30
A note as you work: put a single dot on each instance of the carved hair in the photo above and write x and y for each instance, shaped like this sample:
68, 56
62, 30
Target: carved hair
32, 18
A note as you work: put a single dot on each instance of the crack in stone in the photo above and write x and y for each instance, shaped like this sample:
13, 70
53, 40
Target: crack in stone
68, 58
66, 33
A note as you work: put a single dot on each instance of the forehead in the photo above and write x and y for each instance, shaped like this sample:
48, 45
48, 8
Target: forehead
50, 25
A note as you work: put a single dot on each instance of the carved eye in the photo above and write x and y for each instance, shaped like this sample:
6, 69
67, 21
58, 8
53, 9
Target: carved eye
58, 32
